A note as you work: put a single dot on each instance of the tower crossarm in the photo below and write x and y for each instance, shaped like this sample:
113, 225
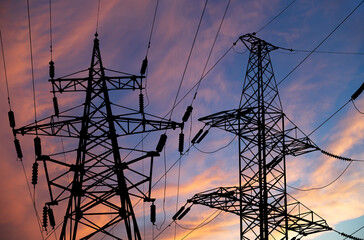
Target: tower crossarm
303, 220
70, 126
223, 198
68, 84
300, 219
251, 41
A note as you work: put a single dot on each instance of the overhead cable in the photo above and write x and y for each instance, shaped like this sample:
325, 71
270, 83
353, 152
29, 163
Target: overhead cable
50, 29
274, 18
324, 52
322, 187
212, 48
329, 118
6, 76
357, 107
355, 232
188, 60
299, 64
31, 63
98, 15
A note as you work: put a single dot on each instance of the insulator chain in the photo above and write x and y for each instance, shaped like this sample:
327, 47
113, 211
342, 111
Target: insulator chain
141, 103
152, 213
52, 222
349, 236
187, 114
51, 69
161, 143
37, 147
336, 156
35, 173
55, 106
181, 142
45, 217
18, 149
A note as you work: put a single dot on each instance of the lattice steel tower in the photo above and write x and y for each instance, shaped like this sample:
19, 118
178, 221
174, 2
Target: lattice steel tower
261, 200
101, 185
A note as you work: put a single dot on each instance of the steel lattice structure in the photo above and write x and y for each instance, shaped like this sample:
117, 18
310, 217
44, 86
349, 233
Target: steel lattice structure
106, 176
266, 210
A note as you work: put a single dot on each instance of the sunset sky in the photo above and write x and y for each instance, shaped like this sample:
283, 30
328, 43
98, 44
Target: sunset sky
310, 94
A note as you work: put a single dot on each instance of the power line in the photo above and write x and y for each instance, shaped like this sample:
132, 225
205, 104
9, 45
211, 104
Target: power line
276, 16
6, 76
151, 30
329, 118
322, 187
214, 151
299, 64
357, 107
50, 29
347, 235
324, 52
355, 232
98, 15
212, 48
202, 224
188, 59
31, 62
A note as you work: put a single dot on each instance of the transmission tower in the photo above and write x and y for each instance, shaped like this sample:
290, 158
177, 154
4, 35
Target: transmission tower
101, 186
261, 200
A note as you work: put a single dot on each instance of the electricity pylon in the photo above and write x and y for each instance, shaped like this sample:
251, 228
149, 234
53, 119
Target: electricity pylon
106, 179
261, 200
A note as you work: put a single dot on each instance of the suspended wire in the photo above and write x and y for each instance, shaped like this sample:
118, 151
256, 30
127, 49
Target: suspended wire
240, 52
32, 66
329, 118
98, 15
50, 29
348, 235
337, 27
215, 151
325, 186
204, 76
356, 107
178, 185
188, 60
6, 75
164, 190
202, 224
212, 48
276, 16
148, 47
151, 30
325, 52
355, 232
